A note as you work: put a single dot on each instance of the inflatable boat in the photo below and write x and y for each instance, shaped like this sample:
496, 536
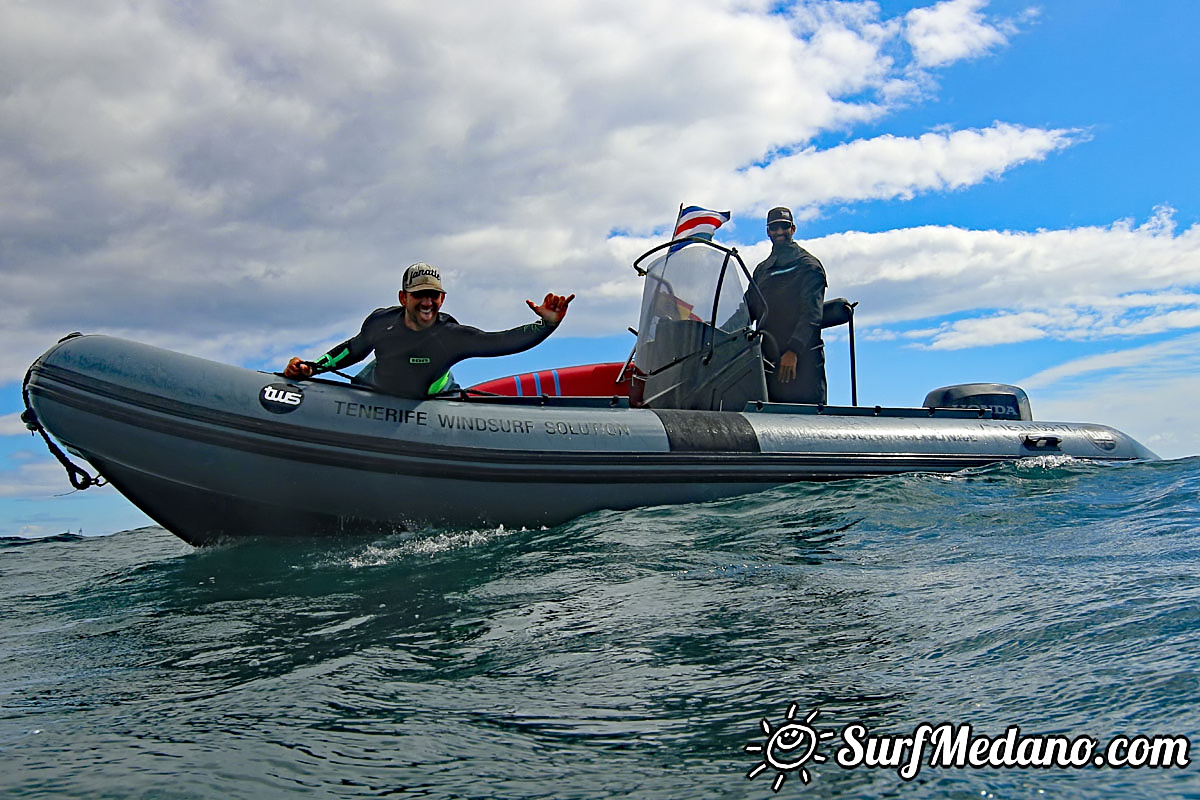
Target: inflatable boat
215, 452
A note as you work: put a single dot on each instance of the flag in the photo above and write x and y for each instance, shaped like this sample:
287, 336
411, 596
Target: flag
697, 221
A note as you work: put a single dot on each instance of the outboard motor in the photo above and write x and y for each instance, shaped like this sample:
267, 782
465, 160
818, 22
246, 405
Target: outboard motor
1004, 401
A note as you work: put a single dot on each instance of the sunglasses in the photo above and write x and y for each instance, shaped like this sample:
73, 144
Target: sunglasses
431, 294
779, 226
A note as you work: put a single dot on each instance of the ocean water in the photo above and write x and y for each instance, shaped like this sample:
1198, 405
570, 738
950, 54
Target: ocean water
631, 654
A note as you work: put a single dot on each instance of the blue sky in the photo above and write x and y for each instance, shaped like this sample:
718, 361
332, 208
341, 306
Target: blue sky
1007, 188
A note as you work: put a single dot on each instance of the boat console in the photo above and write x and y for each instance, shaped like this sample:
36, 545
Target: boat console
697, 348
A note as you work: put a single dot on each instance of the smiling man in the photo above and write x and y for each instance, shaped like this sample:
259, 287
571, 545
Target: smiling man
792, 282
415, 344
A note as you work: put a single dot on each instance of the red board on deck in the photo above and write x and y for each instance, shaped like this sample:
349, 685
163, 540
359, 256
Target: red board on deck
587, 380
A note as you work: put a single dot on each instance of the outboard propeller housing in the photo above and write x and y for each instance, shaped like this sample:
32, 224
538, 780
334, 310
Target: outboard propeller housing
1004, 401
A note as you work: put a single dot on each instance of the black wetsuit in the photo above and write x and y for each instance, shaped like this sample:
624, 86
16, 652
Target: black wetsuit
416, 363
793, 283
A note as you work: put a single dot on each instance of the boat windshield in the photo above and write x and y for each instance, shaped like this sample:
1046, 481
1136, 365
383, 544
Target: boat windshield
697, 282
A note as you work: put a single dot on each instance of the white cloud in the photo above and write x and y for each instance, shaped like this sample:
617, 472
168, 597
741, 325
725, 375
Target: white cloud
1181, 354
11, 425
1082, 283
29, 474
1147, 391
950, 31
1067, 322
1003, 328
237, 180
892, 167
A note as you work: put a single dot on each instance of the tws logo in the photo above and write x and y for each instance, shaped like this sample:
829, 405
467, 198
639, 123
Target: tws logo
280, 398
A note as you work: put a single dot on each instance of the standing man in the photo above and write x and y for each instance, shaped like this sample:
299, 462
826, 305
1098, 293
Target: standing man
415, 344
792, 282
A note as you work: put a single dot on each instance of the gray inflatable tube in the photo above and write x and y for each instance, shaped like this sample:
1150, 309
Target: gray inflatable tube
213, 452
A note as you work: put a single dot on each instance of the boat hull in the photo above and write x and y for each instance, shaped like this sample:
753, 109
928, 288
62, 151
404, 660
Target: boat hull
214, 452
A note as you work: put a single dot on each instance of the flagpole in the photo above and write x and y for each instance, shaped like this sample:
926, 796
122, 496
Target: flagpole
674, 228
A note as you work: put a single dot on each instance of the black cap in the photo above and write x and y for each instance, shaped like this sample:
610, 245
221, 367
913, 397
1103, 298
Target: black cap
780, 214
